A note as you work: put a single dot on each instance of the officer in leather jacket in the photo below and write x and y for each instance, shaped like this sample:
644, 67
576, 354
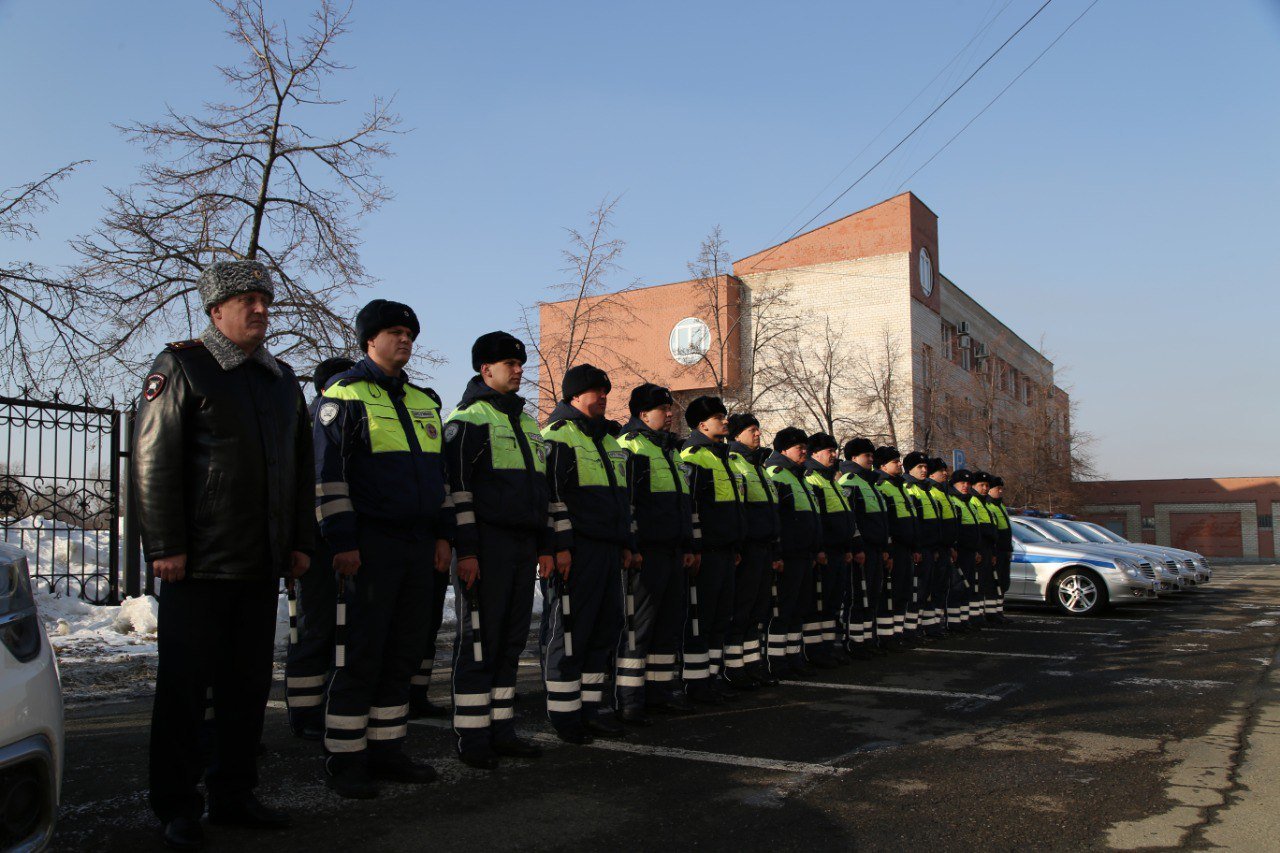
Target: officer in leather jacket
224, 490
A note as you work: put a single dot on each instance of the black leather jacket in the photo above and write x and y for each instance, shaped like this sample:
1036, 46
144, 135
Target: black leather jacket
222, 466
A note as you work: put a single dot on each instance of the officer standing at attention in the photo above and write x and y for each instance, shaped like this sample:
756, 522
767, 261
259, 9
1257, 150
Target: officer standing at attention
948, 586
968, 546
718, 512
221, 463
309, 660
383, 502
987, 587
929, 523
858, 481
497, 464
1004, 542
761, 561
594, 541
905, 549
800, 544
667, 542
836, 575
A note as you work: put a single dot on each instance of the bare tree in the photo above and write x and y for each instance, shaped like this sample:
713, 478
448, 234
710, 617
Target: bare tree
813, 377
46, 340
879, 375
587, 322
747, 326
246, 179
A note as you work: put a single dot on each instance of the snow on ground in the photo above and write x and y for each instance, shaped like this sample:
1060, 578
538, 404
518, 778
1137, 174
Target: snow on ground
60, 551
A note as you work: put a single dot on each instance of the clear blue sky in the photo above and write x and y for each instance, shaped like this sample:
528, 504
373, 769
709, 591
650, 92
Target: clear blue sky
1118, 201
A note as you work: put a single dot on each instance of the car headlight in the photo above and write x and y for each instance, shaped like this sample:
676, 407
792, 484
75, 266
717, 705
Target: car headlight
19, 624
1129, 569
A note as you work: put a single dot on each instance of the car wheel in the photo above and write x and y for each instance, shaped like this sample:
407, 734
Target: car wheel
1078, 592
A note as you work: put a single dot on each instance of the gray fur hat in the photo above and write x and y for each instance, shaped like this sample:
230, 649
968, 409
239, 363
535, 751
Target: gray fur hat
225, 279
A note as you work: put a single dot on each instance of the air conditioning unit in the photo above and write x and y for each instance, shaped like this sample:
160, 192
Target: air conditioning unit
980, 350
963, 328
965, 341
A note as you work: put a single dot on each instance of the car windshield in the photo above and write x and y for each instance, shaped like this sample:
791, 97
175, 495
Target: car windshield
1106, 532
1068, 533
1089, 533
1027, 533
1047, 532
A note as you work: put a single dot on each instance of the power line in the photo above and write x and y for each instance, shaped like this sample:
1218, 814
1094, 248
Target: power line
997, 97
913, 130
982, 28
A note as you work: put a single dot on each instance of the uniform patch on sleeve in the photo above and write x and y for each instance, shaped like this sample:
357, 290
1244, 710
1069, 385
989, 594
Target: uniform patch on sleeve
327, 413
687, 468
154, 386
451, 431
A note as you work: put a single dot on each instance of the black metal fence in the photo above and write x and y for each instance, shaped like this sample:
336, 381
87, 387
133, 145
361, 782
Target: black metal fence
61, 468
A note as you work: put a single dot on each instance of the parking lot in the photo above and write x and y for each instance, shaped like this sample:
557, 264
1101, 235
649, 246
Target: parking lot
1122, 730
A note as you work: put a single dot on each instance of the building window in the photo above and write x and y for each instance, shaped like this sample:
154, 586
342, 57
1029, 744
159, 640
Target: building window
1002, 371
966, 357
948, 342
926, 272
690, 340
926, 364
1026, 391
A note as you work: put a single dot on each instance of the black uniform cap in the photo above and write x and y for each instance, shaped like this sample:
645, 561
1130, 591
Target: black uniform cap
915, 458
648, 396
822, 441
493, 347
885, 454
703, 408
582, 378
740, 421
962, 475
858, 446
789, 437
384, 314
981, 477
328, 369
936, 464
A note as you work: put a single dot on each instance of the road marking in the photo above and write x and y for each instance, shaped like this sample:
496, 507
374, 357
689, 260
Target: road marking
1061, 620
1173, 682
1051, 631
995, 654
675, 752
876, 688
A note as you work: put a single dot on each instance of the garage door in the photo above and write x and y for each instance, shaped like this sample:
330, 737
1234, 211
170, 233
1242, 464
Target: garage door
1214, 534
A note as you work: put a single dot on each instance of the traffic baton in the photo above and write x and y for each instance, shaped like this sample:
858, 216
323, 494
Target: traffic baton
774, 595
693, 608
628, 580
473, 608
817, 585
340, 626
566, 614
291, 594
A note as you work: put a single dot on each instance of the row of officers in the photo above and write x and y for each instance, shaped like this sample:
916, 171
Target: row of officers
673, 573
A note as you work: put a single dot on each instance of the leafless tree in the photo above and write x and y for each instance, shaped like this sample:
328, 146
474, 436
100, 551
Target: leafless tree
879, 378
47, 341
814, 379
248, 178
747, 326
586, 322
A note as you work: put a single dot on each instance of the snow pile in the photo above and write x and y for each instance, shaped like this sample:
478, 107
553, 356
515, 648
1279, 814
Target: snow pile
58, 550
78, 629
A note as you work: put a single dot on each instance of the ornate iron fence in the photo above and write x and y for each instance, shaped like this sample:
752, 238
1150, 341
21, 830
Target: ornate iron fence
60, 469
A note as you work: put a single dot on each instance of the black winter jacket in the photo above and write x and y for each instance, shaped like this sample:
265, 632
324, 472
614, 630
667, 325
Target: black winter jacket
663, 519
222, 465
723, 523
800, 530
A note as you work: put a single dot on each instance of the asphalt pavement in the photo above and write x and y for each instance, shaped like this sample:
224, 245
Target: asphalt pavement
1156, 725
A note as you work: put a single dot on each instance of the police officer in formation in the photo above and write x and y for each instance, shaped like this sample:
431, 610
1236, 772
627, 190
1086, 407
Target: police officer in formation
800, 546
904, 548
309, 661
745, 665
594, 544
874, 613
497, 462
382, 499
988, 589
716, 491
948, 586
929, 524
1004, 542
833, 578
655, 590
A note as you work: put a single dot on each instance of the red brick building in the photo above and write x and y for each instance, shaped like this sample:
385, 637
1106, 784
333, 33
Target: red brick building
1228, 517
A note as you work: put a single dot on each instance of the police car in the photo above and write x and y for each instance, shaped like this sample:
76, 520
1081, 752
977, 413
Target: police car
1159, 555
1077, 581
31, 735
1194, 562
1167, 576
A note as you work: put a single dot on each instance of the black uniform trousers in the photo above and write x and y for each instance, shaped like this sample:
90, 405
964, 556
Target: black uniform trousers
987, 590
714, 612
902, 577
1003, 563
309, 660
879, 593
647, 669
968, 572
582, 634
858, 615
420, 683
367, 713
946, 579
786, 628
210, 632
927, 572
484, 690
819, 629
752, 590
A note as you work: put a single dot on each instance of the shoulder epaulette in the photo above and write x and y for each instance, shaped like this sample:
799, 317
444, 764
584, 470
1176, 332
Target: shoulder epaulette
428, 391
194, 342
350, 380
555, 425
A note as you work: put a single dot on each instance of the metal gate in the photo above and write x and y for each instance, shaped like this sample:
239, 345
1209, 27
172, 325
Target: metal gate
60, 466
